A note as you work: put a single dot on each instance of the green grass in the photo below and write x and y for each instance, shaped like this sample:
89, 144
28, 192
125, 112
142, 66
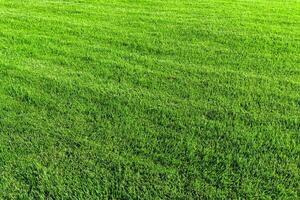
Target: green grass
149, 99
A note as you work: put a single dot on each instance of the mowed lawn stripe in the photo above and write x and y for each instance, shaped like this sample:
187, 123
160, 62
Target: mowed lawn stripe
149, 99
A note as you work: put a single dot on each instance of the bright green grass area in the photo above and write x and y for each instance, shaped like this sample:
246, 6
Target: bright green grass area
149, 99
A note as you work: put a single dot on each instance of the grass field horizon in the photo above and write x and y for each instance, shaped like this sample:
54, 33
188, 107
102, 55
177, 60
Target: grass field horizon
149, 99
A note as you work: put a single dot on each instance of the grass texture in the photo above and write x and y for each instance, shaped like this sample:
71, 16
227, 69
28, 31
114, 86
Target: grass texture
149, 99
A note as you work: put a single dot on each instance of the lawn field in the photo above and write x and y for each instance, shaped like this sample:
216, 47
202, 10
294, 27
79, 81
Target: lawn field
149, 99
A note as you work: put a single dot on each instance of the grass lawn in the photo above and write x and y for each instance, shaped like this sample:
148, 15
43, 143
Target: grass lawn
149, 99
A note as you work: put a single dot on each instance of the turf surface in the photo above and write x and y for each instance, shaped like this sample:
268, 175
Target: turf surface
149, 99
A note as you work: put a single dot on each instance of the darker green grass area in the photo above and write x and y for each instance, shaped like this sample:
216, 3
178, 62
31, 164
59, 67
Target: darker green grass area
149, 99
